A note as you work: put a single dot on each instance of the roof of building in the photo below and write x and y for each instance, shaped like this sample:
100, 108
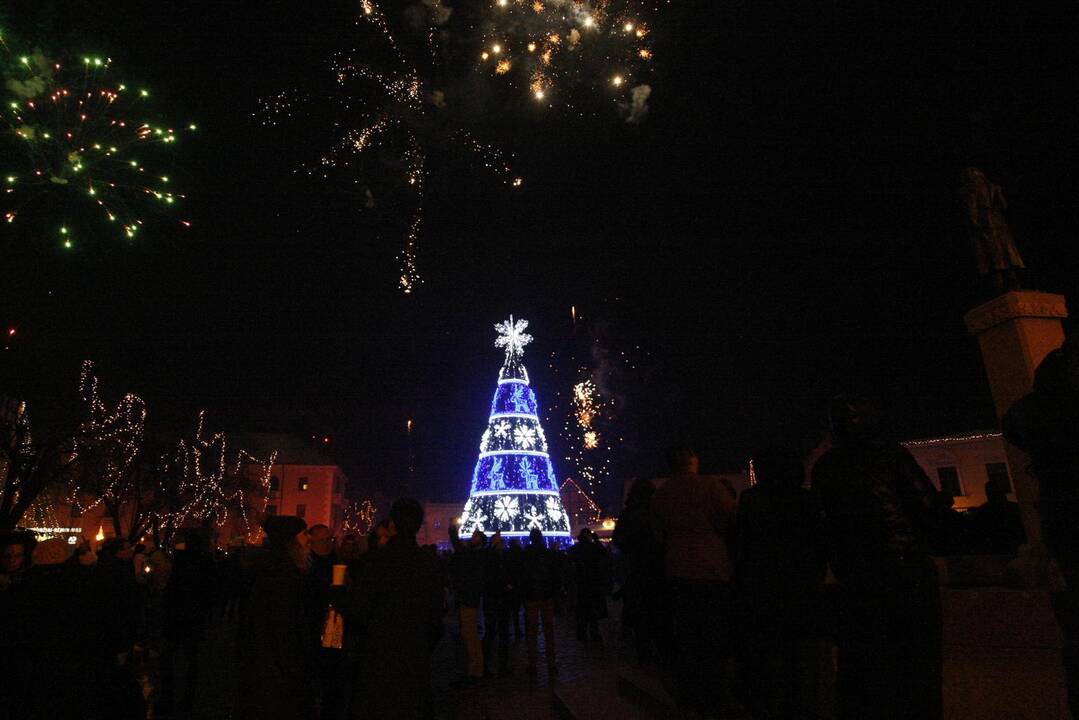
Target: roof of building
971, 436
290, 449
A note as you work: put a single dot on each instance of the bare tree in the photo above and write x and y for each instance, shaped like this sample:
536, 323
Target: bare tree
27, 467
106, 449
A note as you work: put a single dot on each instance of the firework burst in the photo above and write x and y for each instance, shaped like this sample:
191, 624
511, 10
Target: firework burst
75, 141
393, 110
549, 48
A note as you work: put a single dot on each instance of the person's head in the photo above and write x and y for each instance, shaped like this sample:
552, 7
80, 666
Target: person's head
683, 461
497, 542
1051, 377
286, 535
515, 544
535, 538
585, 536
640, 494
349, 549
382, 534
54, 551
321, 540
15, 553
779, 468
406, 518
477, 540
854, 418
85, 554
995, 492
118, 548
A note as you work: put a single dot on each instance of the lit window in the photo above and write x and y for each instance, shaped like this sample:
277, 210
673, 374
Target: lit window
304, 484
949, 480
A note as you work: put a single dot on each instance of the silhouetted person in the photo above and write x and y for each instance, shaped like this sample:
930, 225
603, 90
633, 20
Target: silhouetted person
1045, 425
276, 643
467, 567
398, 608
693, 513
996, 525
879, 514
187, 600
636, 537
954, 536
515, 568
540, 587
54, 640
497, 587
780, 572
592, 579
15, 551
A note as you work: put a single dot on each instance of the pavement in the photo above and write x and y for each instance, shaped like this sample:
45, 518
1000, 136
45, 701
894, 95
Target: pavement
587, 677
586, 685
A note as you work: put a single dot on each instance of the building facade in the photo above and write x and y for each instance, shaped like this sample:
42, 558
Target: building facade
961, 464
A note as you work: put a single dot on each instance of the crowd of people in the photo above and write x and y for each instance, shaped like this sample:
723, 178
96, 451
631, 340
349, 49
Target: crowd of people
793, 600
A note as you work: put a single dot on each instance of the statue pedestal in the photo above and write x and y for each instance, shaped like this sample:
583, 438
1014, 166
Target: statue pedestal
1015, 332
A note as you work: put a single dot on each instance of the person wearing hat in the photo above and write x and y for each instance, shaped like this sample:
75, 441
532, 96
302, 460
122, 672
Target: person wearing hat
277, 640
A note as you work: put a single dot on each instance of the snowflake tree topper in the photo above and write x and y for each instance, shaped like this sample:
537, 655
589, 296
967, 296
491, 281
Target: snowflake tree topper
512, 337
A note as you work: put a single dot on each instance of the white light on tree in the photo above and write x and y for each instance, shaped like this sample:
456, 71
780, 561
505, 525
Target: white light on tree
514, 490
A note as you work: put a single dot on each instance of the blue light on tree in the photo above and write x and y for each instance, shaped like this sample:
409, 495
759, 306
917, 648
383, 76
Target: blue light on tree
513, 485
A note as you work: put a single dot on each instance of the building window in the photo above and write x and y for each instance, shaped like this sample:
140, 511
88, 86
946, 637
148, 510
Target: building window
275, 483
301, 511
271, 509
304, 484
999, 473
949, 480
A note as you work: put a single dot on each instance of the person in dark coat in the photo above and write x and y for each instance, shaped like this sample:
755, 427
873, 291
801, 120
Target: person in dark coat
497, 587
467, 569
541, 585
55, 635
779, 571
996, 526
880, 515
636, 537
277, 638
398, 608
515, 568
592, 579
187, 600
1045, 425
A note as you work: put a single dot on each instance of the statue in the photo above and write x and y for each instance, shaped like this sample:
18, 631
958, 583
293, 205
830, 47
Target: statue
994, 245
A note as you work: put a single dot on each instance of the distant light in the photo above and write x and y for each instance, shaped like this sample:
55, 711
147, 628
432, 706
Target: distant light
11, 332
628, 27
617, 80
496, 48
326, 440
589, 22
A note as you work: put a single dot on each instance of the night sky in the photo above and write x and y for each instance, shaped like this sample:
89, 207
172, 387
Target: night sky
784, 224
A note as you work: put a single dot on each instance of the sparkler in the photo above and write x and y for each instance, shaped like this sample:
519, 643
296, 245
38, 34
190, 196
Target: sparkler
75, 140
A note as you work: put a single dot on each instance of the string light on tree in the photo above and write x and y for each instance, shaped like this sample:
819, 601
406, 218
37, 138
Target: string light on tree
513, 488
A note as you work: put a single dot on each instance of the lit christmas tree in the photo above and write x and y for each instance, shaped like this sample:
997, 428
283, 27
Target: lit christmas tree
513, 486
